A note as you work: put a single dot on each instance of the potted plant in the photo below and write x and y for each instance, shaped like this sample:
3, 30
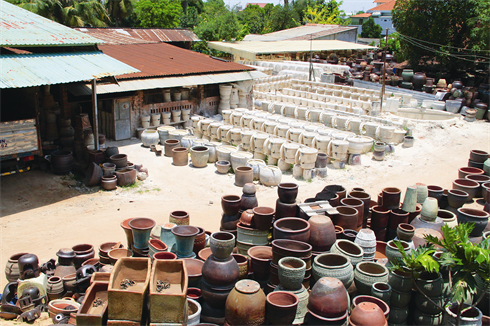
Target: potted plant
468, 265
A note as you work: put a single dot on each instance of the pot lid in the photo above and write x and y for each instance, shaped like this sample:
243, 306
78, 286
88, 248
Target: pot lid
67, 253
247, 286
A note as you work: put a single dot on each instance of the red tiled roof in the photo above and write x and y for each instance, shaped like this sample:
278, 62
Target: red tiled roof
140, 35
260, 4
387, 6
363, 15
161, 59
381, 1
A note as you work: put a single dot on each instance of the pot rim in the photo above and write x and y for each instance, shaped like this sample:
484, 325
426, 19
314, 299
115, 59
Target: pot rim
294, 259
387, 309
474, 177
392, 245
365, 195
347, 242
385, 285
465, 183
151, 223
231, 198
282, 293
85, 246
391, 190
255, 248
458, 193
164, 253
435, 188
179, 230
277, 243
367, 263
406, 227
216, 235
327, 319
331, 266
473, 213
287, 219
287, 185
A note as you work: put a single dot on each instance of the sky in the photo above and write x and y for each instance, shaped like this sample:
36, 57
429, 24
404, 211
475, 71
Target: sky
348, 5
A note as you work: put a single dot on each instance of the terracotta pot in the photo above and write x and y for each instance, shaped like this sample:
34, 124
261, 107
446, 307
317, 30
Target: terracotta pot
141, 228
285, 210
169, 145
243, 263
328, 299
230, 204
358, 205
184, 237
405, 232
291, 272
364, 197
194, 294
93, 175
339, 190
281, 308
245, 304
391, 197
464, 171
108, 183
338, 232
243, 175
467, 186
179, 218
247, 218
347, 248
156, 245
260, 258
180, 156
55, 288
291, 248
164, 255
380, 253
397, 216
126, 177
222, 244
481, 179
127, 230
368, 273
199, 241
292, 228
115, 254
83, 252
322, 233
194, 271
347, 217
368, 314
121, 160
380, 303
476, 216
62, 306
287, 192
379, 217
262, 218
333, 265
220, 273
478, 156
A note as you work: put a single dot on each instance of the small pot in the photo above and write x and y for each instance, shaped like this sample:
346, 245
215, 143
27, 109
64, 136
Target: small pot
287, 192
222, 244
243, 175
179, 218
381, 290
230, 204
262, 217
222, 167
291, 273
281, 307
391, 197
292, 228
405, 232
456, 198
476, 216
368, 273
260, 258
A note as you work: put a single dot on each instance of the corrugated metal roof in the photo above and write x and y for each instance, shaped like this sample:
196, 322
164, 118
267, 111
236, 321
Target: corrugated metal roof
140, 35
161, 59
167, 82
300, 33
250, 49
27, 70
19, 27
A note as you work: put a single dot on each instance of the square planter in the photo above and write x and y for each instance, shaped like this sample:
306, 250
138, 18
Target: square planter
88, 315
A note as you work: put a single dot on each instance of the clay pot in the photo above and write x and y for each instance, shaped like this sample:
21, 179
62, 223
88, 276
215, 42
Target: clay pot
464, 171
220, 272
349, 249
471, 316
285, 210
194, 271
262, 218
180, 156
169, 145
281, 307
243, 263
333, 265
322, 233
126, 177
432, 284
164, 255
379, 217
291, 273
456, 198
141, 228
358, 205
467, 186
287, 192
364, 197
108, 183
405, 232
347, 217
121, 160
245, 304
222, 166
184, 238
368, 314
291, 248
260, 258
397, 216
338, 189
199, 156
55, 288
366, 239
338, 231
61, 162
12, 267
247, 218
179, 218
156, 245
292, 228
328, 299
368, 273
382, 291
392, 252
435, 192
230, 204
478, 156
93, 175
349, 235
366, 298
476, 216
243, 175
83, 252
222, 244
115, 254
199, 241
481, 179
391, 197
249, 200
401, 281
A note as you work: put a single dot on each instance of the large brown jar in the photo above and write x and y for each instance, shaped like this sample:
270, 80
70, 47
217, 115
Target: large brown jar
245, 304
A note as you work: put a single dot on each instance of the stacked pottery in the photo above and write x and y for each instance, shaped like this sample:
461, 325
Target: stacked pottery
167, 237
379, 151
260, 262
286, 205
401, 290
220, 272
333, 265
366, 239
328, 303
184, 240
432, 285
141, 228
368, 273
231, 212
379, 221
249, 199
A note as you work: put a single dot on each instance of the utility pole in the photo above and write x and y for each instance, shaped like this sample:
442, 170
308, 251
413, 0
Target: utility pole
384, 71
310, 70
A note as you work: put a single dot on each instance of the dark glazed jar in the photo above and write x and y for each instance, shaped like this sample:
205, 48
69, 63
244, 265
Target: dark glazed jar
219, 273
28, 266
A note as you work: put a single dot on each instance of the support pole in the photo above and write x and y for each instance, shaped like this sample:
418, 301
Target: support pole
94, 113
384, 71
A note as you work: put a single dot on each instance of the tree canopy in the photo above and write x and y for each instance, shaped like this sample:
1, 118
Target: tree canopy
370, 29
158, 13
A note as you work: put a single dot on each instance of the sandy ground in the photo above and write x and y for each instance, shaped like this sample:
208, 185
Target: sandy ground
42, 212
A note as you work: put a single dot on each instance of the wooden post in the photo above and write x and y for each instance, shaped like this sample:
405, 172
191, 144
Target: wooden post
384, 72
94, 114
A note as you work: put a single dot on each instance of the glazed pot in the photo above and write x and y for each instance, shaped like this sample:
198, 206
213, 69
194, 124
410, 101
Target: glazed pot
199, 156
141, 228
400, 281
194, 271
292, 228
121, 160
349, 249
260, 258
287, 192
431, 284
418, 80
184, 238
291, 248
427, 307
222, 244
328, 299
333, 265
379, 217
391, 197
230, 204
429, 209
322, 233
126, 177
419, 318
220, 272
467, 186
281, 307
179, 218
456, 198
243, 263
400, 299
368, 273
476, 216
464, 171
392, 252
367, 298
471, 316
169, 144
405, 232
83, 252
167, 237
382, 291
291, 273
199, 241
478, 156
347, 217
366, 239
245, 304
108, 183
243, 175
180, 156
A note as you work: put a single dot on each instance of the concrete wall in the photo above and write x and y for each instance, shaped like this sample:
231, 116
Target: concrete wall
348, 36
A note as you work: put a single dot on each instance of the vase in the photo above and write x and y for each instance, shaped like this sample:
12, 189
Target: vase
222, 244
291, 273
368, 273
127, 230
430, 208
322, 233
141, 228
381, 290
167, 237
245, 304
179, 218
281, 307
333, 265
410, 200
184, 238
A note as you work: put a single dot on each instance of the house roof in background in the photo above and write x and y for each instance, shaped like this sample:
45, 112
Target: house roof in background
387, 6
160, 59
381, 1
140, 35
260, 4
305, 32
363, 15
20, 27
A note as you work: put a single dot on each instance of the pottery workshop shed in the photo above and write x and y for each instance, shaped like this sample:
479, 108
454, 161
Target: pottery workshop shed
166, 73
38, 58
309, 32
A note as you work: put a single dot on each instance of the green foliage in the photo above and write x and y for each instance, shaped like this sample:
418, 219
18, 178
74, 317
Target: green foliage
253, 18
417, 261
118, 10
320, 12
218, 23
282, 18
190, 19
158, 13
394, 45
370, 29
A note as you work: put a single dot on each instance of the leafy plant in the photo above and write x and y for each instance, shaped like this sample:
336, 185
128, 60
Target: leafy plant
419, 260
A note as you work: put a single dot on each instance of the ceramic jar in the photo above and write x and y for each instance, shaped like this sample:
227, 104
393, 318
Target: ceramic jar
220, 272
270, 175
245, 304
260, 259
184, 238
349, 249
405, 232
392, 252
179, 218
292, 228
346, 217
12, 267
108, 183
281, 307
333, 265
328, 299
381, 290
366, 239
149, 138
83, 252
141, 228
429, 209
55, 288
476, 216
368, 273
169, 144
287, 192
249, 200
222, 244
199, 156
262, 217
368, 314
391, 197
243, 175
180, 156
322, 233
291, 273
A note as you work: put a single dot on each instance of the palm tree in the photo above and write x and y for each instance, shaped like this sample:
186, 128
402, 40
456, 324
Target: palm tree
118, 10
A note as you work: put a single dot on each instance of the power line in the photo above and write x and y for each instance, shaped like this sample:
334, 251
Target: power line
454, 47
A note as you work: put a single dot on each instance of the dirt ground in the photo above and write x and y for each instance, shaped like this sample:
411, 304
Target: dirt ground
42, 212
